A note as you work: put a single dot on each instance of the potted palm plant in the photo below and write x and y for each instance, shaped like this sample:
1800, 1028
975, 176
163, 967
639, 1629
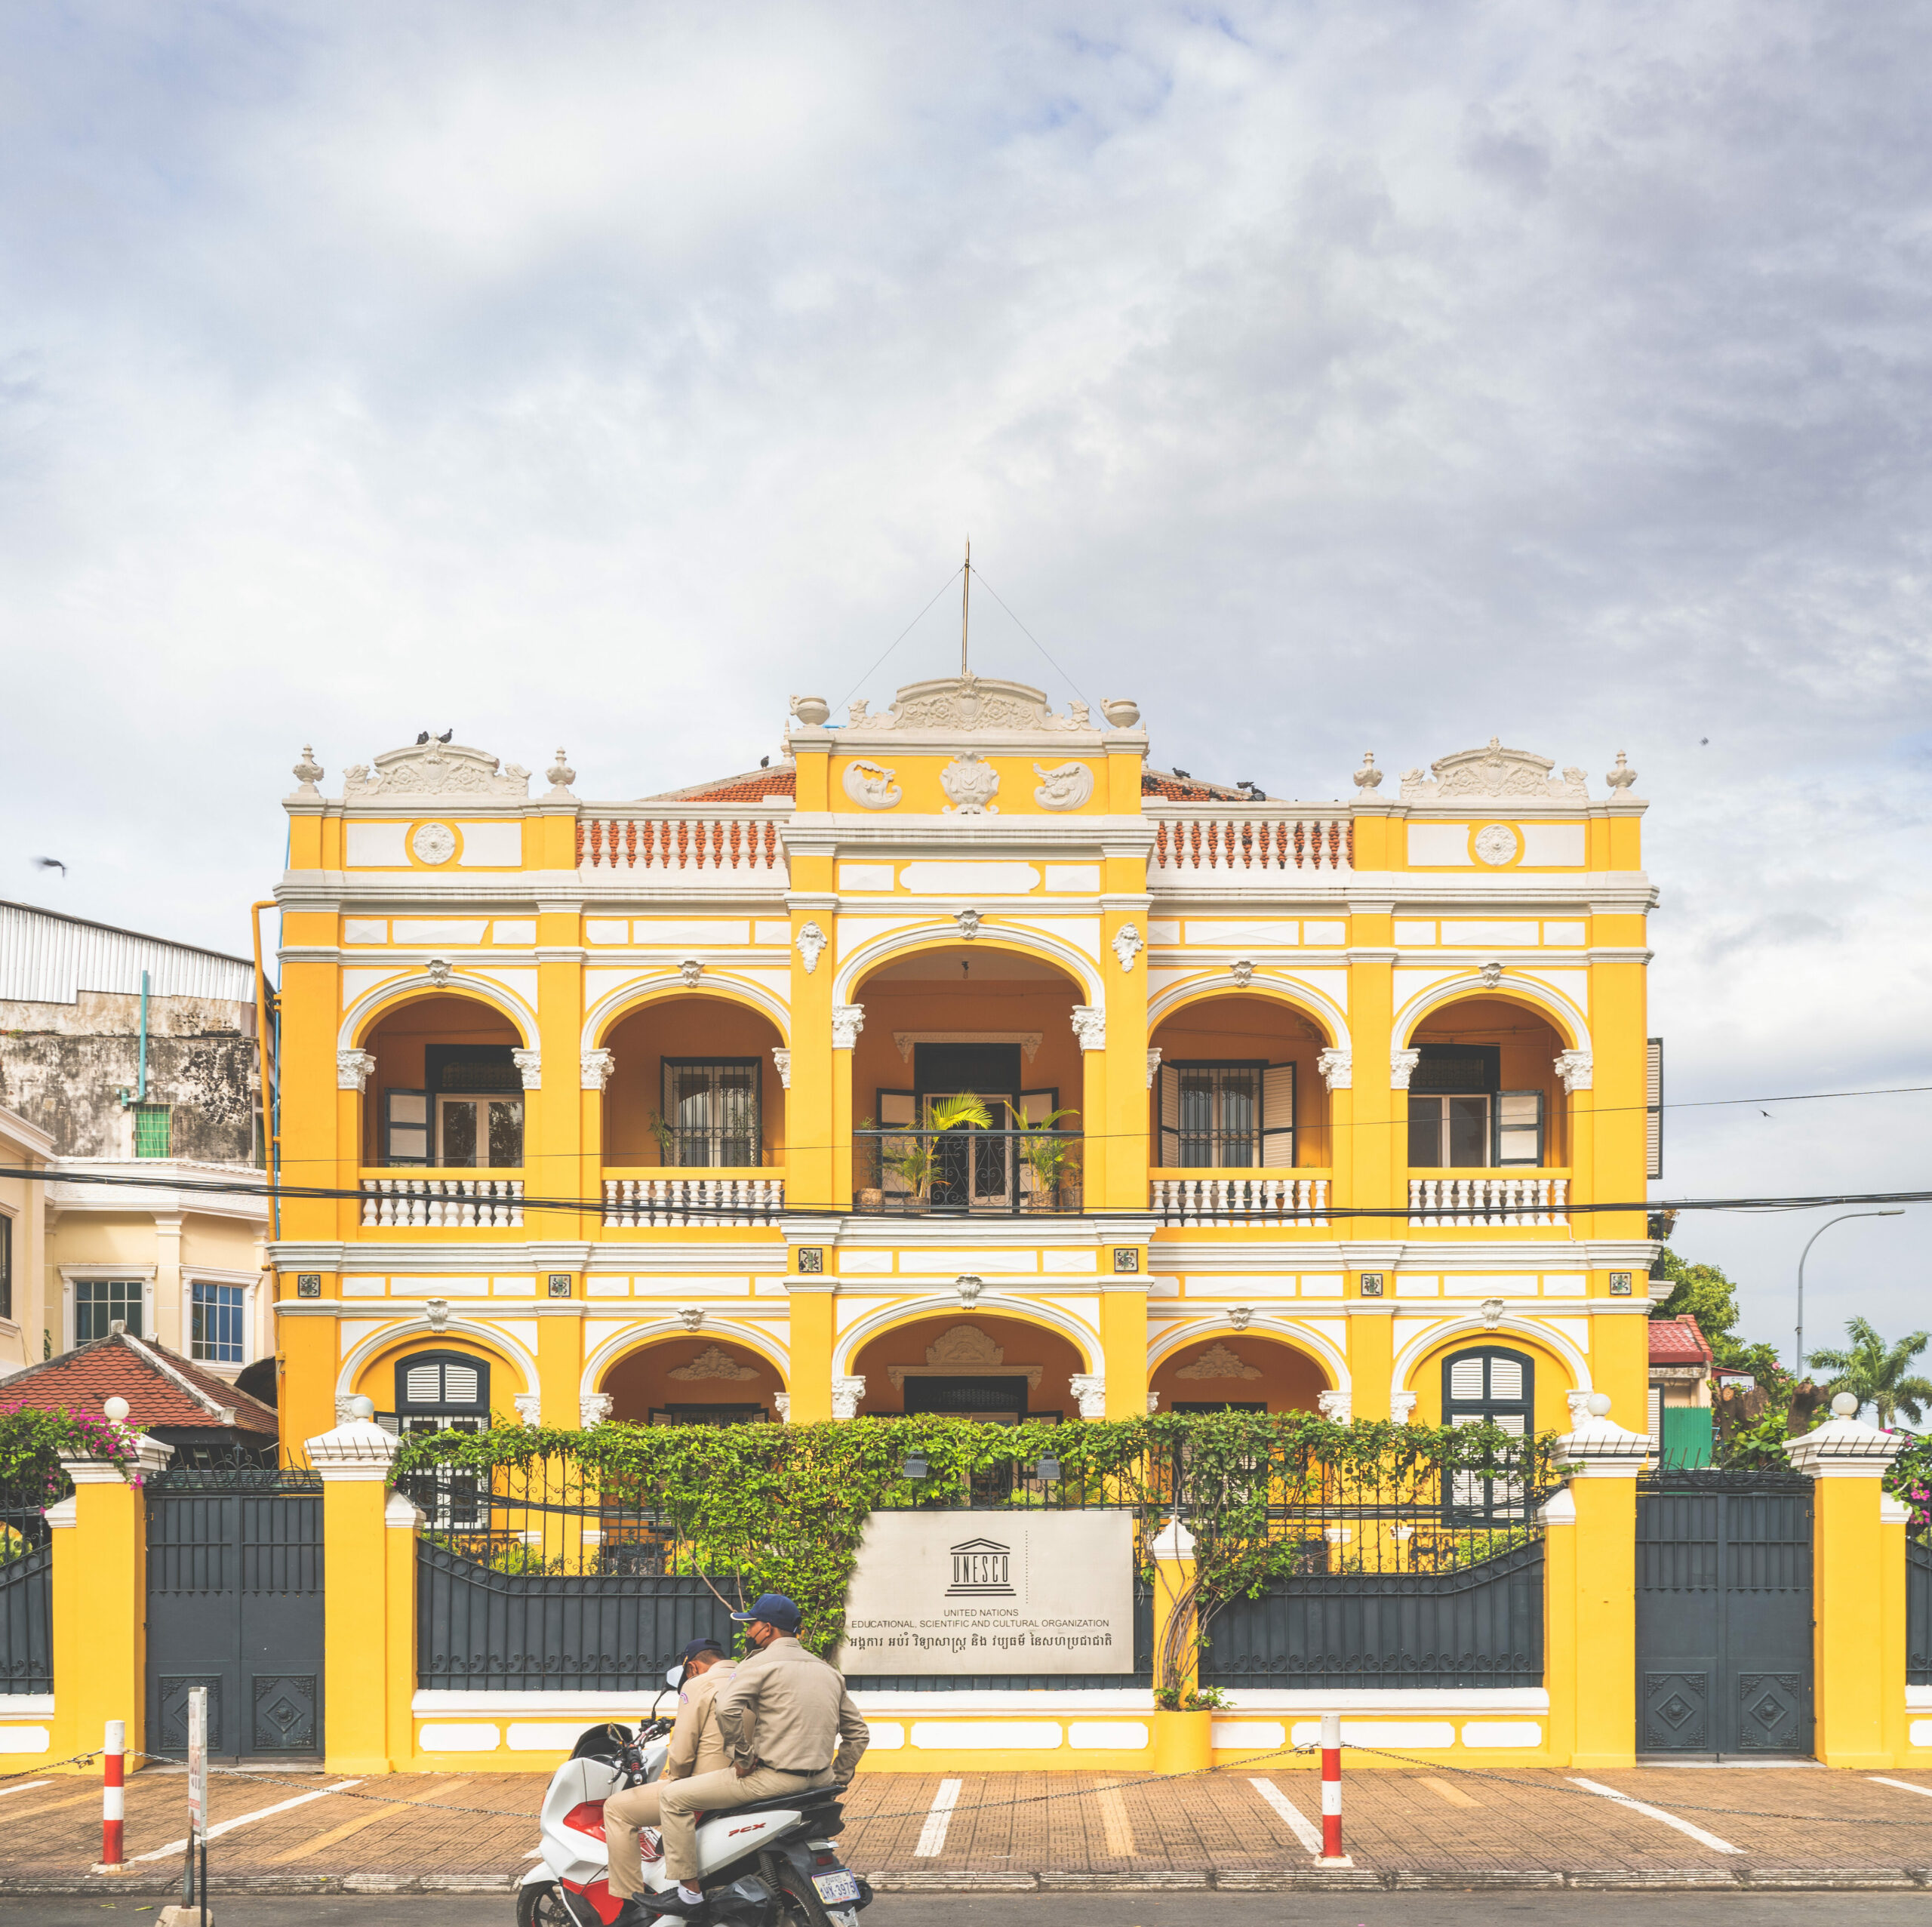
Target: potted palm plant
1048, 1155
915, 1158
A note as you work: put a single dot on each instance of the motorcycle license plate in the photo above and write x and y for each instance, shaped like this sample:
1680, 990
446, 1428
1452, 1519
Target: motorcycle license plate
836, 1889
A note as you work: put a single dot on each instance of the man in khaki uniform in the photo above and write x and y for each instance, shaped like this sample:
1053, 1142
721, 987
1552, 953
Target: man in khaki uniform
697, 1746
788, 1725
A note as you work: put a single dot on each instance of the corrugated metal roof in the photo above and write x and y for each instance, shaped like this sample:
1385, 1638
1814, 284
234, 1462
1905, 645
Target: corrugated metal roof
46, 957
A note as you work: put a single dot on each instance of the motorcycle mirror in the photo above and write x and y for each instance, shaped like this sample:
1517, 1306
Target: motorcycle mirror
674, 1677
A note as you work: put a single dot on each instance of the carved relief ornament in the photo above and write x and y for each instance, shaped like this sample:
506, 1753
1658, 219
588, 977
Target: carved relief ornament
1337, 1069
1128, 944
1066, 786
870, 785
811, 942
1494, 772
1090, 1027
352, 1069
435, 769
712, 1364
957, 702
1218, 1362
971, 784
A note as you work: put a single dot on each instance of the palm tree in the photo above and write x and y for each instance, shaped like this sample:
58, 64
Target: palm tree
1876, 1375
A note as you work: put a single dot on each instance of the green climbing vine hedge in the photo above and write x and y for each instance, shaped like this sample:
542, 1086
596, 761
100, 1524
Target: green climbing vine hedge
782, 1508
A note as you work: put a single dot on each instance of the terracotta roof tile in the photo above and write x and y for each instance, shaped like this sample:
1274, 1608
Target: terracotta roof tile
1174, 788
752, 787
1678, 1340
83, 1379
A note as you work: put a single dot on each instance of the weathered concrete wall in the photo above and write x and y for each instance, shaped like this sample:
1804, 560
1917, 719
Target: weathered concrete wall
62, 1067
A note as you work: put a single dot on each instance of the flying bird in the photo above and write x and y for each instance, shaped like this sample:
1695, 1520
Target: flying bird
50, 863
1703, 742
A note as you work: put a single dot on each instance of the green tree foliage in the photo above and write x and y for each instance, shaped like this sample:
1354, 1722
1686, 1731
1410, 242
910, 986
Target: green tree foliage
1879, 1374
1711, 1298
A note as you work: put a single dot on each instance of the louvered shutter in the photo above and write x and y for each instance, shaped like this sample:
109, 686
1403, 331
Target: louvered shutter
1657, 1418
459, 1385
425, 1384
1168, 1084
1466, 1380
1653, 1108
1277, 1116
1506, 1380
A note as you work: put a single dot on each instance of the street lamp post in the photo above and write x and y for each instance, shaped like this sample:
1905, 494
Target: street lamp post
1798, 1366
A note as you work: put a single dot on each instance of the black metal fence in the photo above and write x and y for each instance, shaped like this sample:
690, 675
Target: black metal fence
1476, 1625
910, 1172
1918, 1613
26, 1585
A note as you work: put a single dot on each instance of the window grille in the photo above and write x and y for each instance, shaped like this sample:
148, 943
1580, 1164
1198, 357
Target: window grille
1226, 1116
98, 1302
154, 1131
711, 1112
1459, 1120
215, 1324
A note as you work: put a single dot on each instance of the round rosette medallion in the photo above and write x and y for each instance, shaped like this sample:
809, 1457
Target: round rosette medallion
1496, 843
434, 843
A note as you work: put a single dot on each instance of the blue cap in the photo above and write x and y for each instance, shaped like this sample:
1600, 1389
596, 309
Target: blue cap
697, 1646
775, 1609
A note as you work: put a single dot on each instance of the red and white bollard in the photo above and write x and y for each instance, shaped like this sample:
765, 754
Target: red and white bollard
113, 1807
1331, 1787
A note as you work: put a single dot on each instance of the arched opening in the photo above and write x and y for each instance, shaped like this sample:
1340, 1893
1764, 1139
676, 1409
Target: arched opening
693, 1085
693, 1381
969, 1365
1484, 1092
446, 1091
943, 1027
1239, 1372
1521, 1382
1238, 1087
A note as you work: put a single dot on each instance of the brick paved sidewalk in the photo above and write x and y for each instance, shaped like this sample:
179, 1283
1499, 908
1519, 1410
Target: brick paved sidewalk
1789, 1826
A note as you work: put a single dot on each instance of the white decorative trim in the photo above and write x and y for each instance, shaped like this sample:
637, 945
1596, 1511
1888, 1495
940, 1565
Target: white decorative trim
1089, 1026
1128, 944
859, 964
1091, 1388
970, 783
870, 784
1338, 1406
529, 1064
436, 1315
352, 1069
1490, 975
1173, 1541
1153, 1403
1579, 1403
847, 1391
713, 1365
1066, 786
1242, 971
652, 1328
1218, 1364
1565, 1017
439, 972
782, 1058
529, 1406
1028, 1041
691, 1316
1619, 779
642, 990
433, 844
1330, 1357
1402, 1406
810, 942
848, 1020
1496, 844
1241, 1316
1600, 1447
1289, 990
1153, 1066
781, 1403
360, 1013
435, 769
358, 1452
1467, 1324
968, 922
692, 972
1576, 1069
1401, 1068
596, 1066
1844, 1447
1042, 1312
1494, 772
593, 1408
1337, 1069
486, 1335
951, 704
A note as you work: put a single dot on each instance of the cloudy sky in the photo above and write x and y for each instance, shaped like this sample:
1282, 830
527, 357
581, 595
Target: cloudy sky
1328, 377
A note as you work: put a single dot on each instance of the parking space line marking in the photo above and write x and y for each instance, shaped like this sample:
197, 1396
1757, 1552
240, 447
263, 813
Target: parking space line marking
361, 1819
1453, 1795
27, 1789
1710, 1840
1903, 1786
54, 1806
932, 1835
1297, 1822
220, 1827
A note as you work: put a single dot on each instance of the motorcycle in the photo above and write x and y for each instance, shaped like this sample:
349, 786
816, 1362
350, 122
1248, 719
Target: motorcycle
773, 1863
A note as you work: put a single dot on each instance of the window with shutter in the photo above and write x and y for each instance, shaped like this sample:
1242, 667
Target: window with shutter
1653, 1108
1277, 1116
1213, 1116
424, 1385
459, 1384
1168, 1084
435, 1389
1519, 1126
712, 1110
1488, 1385
405, 1127
1657, 1418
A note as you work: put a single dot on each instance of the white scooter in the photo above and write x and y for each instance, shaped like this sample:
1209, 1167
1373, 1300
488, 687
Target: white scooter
772, 1863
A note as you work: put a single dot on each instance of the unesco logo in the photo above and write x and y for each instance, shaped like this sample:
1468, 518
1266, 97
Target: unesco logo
982, 1569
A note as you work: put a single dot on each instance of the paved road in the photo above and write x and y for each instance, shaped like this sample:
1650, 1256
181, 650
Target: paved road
1369, 1910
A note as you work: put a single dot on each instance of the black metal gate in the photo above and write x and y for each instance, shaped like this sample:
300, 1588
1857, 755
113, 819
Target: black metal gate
1723, 1613
235, 1604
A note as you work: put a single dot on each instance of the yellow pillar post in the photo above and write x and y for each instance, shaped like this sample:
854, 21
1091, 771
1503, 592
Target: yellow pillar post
1124, 1339
560, 1352
1596, 1616
814, 1306
1858, 1676
100, 1584
1183, 1742
401, 1522
1560, 1657
363, 1666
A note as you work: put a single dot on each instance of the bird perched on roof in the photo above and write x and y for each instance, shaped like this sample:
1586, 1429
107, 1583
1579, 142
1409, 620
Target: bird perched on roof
446, 735
422, 736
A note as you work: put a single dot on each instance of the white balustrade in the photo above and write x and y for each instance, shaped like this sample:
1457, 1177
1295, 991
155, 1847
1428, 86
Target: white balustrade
1452, 1201
1229, 1200
631, 1203
444, 1203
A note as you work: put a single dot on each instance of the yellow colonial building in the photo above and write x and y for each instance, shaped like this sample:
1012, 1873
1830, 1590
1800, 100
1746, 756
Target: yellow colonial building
957, 1059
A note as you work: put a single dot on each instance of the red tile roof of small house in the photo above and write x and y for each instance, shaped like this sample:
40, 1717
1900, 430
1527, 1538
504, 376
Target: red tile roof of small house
1678, 1340
163, 1391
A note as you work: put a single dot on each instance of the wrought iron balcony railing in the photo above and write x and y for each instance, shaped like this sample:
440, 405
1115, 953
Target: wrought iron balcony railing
966, 1169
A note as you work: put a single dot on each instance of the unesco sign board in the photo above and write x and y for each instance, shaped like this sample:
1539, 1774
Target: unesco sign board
991, 1591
